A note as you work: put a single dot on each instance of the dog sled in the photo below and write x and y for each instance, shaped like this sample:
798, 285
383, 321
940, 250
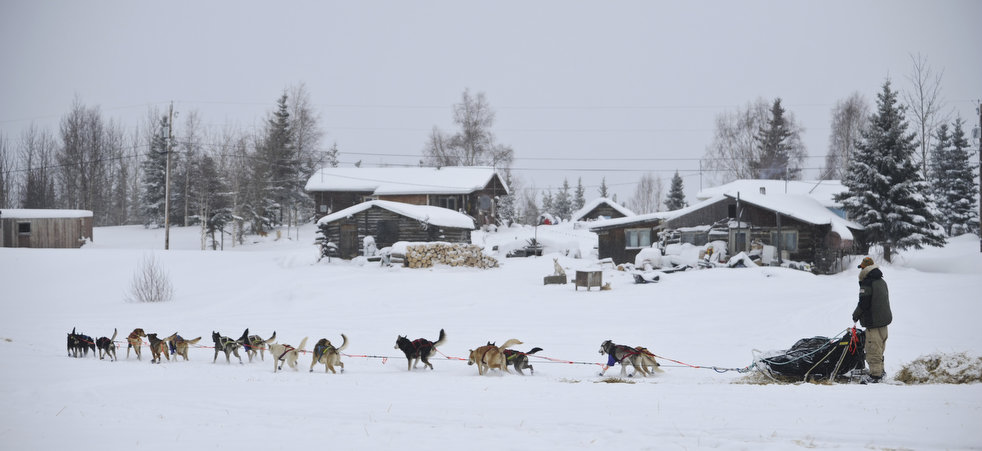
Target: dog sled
842, 358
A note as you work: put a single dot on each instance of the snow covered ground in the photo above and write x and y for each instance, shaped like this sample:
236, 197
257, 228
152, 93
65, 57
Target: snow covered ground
706, 317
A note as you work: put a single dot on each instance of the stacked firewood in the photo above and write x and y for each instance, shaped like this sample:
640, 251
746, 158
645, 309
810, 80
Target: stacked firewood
426, 255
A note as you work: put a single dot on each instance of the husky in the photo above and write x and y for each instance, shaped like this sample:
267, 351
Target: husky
135, 340
79, 344
179, 346
647, 361
491, 356
158, 347
419, 349
326, 353
254, 344
226, 345
286, 354
107, 346
624, 355
520, 360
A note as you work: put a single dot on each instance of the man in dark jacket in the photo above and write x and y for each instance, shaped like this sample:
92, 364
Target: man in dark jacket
873, 313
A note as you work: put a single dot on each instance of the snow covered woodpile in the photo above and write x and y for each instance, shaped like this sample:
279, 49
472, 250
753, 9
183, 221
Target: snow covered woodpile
425, 255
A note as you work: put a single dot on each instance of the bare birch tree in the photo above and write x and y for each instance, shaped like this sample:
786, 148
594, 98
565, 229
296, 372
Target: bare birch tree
925, 104
647, 194
849, 117
474, 143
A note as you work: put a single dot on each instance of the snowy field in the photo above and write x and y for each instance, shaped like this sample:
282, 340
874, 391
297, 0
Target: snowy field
706, 317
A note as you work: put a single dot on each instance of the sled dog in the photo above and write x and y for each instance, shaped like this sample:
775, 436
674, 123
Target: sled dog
254, 344
647, 361
226, 345
283, 353
419, 349
80, 344
326, 353
490, 356
520, 360
179, 346
135, 341
158, 347
107, 346
623, 355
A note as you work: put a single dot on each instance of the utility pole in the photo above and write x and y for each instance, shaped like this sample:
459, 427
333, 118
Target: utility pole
170, 140
979, 137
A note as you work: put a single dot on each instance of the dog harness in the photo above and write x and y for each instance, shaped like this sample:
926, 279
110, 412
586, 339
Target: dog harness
287, 351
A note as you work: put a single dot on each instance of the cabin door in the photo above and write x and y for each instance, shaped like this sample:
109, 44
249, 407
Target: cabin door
349, 241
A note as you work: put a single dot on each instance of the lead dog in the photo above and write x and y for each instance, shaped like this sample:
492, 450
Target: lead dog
623, 355
286, 353
79, 344
226, 345
134, 340
158, 347
490, 356
179, 346
107, 346
254, 344
419, 349
326, 353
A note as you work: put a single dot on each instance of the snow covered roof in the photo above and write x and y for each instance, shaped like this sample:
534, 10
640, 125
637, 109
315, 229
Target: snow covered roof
43, 213
429, 214
821, 190
589, 206
803, 208
394, 181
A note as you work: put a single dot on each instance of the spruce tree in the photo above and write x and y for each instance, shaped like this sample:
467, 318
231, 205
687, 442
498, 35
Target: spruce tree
885, 191
603, 188
579, 200
547, 202
154, 178
951, 174
676, 194
562, 203
506, 204
774, 148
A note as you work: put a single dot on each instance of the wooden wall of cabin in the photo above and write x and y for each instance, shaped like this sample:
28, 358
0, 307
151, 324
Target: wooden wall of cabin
387, 228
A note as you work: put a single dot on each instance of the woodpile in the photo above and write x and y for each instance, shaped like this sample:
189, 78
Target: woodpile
425, 255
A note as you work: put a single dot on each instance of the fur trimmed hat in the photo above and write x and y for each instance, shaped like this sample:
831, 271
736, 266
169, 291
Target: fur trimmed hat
867, 261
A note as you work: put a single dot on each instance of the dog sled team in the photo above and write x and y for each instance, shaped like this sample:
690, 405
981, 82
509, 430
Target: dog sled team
486, 357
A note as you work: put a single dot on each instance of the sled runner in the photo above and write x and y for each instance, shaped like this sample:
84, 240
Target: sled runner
820, 357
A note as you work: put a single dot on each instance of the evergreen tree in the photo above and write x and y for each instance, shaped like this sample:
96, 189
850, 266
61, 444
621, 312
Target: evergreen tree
603, 188
886, 193
277, 171
676, 195
562, 203
154, 178
579, 200
506, 204
331, 156
547, 202
774, 148
951, 174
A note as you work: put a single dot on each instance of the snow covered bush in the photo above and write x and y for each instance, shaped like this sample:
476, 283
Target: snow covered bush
150, 283
940, 368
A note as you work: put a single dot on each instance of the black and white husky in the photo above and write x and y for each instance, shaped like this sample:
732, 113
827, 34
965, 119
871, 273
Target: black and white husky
226, 345
107, 346
623, 355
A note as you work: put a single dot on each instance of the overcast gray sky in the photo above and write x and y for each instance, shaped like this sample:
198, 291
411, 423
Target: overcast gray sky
568, 79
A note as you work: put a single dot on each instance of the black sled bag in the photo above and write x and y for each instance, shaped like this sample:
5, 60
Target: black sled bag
819, 356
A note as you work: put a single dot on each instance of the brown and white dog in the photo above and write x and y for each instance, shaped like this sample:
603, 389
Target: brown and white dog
286, 353
107, 346
158, 347
490, 356
135, 340
326, 353
179, 346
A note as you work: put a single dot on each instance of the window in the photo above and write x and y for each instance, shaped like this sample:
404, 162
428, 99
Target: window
448, 202
695, 238
24, 228
635, 238
789, 240
738, 241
